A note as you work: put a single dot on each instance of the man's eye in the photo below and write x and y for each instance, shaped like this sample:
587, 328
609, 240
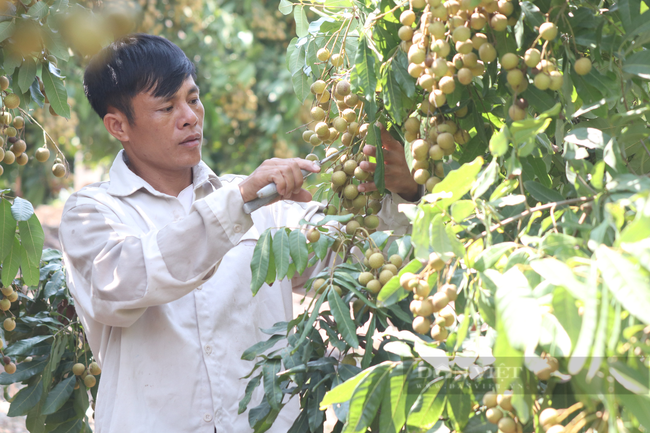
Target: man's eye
168, 109
194, 101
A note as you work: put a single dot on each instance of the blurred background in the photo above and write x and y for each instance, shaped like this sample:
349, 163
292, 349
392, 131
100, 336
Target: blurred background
239, 49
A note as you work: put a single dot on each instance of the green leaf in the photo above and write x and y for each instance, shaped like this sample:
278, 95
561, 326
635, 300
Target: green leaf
7, 228
29, 270
591, 138
32, 239
11, 263
26, 399
55, 90
309, 324
393, 96
26, 74
491, 255
542, 193
298, 250
438, 238
629, 284
55, 44
517, 309
261, 260
344, 323
285, 7
39, 10
301, 84
343, 392
24, 371
24, 347
365, 79
72, 426
302, 24
22, 210
559, 274
457, 183
281, 253
367, 398
638, 64
587, 330
553, 338
261, 347
248, 394
499, 142
272, 390
6, 29
534, 17
59, 395
485, 180
393, 408
427, 407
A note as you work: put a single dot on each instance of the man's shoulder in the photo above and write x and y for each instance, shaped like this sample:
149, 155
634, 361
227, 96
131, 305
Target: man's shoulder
92, 194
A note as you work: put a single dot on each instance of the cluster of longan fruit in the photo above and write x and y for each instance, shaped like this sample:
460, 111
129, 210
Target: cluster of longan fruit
500, 411
87, 374
379, 271
550, 421
433, 313
9, 324
12, 128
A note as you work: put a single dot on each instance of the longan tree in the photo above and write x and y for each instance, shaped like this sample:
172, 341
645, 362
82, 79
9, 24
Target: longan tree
520, 299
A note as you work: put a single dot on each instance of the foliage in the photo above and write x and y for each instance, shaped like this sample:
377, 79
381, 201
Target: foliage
530, 249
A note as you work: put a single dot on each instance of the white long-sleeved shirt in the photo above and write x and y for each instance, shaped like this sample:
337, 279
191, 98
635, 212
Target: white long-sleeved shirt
164, 296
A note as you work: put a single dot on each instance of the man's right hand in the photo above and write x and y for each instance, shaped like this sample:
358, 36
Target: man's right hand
286, 175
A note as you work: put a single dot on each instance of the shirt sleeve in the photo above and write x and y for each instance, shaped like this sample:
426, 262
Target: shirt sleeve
116, 271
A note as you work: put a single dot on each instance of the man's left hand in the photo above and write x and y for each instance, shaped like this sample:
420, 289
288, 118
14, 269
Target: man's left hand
396, 172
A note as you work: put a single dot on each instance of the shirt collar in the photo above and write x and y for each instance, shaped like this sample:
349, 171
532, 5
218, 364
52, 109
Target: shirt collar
124, 182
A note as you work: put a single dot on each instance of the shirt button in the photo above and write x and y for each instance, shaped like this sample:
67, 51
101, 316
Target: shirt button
237, 228
208, 349
207, 417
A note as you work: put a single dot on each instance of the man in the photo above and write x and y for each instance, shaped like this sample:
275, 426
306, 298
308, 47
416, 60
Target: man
158, 258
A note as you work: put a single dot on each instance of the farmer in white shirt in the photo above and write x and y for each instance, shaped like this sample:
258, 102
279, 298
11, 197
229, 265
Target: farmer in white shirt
158, 258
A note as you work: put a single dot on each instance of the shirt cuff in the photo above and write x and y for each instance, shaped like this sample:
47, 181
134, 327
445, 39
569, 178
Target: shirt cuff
227, 205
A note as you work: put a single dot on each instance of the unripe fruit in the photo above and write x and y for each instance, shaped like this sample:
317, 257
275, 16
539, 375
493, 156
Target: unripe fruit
507, 425
505, 401
343, 88
318, 113
461, 34
340, 124
405, 278
556, 429
12, 101
412, 125
423, 308
360, 174
78, 369
431, 183
439, 67
351, 100
462, 112
439, 333
376, 260
58, 170
439, 301
405, 33
499, 22
446, 141
493, 415
313, 235
9, 324
349, 115
314, 140
582, 66
7, 290
385, 276
544, 374
5, 304
447, 85
349, 166
421, 175
19, 122
318, 87
396, 260
462, 137
415, 70
350, 192
339, 178
450, 290
365, 278
13, 297
306, 136
319, 285
407, 18
548, 417
11, 132
418, 4
490, 399
509, 61
435, 262
421, 325
371, 222
542, 81
323, 54
9, 157
532, 57
349, 360
556, 80
10, 368
506, 7
374, 287
515, 77
516, 113
90, 381
548, 31
420, 149
437, 29
22, 159
487, 52
337, 60
464, 47
421, 288
311, 157
4, 83
436, 153
477, 21
465, 76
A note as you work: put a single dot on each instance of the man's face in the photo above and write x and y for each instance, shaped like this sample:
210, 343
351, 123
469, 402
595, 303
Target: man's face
167, 133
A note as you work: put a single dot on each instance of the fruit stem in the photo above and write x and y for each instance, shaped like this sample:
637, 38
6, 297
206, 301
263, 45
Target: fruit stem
568, 411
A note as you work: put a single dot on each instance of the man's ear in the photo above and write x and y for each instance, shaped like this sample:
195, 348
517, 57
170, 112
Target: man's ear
117, 124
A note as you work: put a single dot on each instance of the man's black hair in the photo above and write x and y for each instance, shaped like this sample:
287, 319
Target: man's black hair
133, 64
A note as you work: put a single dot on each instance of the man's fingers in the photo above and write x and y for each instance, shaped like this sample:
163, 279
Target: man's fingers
297, 178
367, 187
305, 164
280, 183
388, 142
369, 150
370, 167
302, 196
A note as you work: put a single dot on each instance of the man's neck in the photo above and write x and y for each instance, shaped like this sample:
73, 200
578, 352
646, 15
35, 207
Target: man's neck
171, 183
